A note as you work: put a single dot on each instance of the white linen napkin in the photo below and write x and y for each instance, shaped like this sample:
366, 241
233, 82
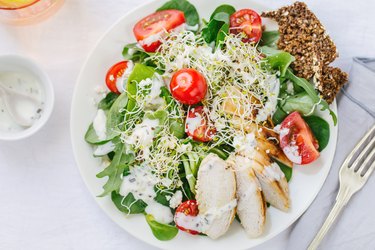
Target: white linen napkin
355, 228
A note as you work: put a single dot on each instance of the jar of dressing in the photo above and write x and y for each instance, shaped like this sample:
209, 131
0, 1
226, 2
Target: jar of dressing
26, 97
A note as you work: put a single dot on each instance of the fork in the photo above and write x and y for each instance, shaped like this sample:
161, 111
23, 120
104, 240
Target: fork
353, 175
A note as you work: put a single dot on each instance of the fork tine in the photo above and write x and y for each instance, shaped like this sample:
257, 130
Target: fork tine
362, 154
369, 171
359, 144
366, 162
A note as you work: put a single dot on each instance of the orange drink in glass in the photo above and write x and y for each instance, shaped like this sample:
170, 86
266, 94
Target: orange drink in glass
27, 11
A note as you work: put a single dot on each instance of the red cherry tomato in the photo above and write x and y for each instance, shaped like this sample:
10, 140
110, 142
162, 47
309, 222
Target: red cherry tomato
155, 23
189, 208
114, 74
297, 140
197, 126
188, 86
248, 21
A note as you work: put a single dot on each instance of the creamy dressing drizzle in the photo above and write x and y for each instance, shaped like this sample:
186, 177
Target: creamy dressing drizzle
121, 81
99, 125
143, 135
140, 182
273, 172
153, 100
202, 222
193, 123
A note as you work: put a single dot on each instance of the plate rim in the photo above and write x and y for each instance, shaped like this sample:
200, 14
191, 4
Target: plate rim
268, 237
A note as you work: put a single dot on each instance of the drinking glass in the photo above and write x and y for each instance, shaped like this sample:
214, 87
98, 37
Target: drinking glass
27, 11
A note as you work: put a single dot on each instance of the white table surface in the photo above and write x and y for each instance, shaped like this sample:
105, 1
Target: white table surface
44, 202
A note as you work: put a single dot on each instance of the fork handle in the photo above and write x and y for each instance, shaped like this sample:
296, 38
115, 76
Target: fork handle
341, 200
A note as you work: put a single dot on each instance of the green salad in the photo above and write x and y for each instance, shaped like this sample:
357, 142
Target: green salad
192, 92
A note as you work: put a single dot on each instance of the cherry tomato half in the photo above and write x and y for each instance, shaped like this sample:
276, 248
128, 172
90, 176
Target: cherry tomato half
197, 126
248, 21
297, 140
155, 23
189, 208
188, 86
114, 74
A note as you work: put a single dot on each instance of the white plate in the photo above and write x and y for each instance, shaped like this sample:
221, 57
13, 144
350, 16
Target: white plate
305, 184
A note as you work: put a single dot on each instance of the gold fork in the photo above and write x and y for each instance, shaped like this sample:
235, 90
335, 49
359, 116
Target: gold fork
353, 175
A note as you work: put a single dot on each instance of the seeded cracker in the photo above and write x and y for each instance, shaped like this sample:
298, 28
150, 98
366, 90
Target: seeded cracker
302, 35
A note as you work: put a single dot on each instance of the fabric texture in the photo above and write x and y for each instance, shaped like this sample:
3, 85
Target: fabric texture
355, 228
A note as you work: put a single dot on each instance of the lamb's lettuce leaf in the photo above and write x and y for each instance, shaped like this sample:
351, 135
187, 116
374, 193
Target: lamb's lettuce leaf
270, 38
161, 231
218, 25
191, 13
128, 204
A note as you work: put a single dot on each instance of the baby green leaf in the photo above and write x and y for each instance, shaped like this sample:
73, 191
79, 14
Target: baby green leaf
161, 231
191, 13
128, 204
320, 129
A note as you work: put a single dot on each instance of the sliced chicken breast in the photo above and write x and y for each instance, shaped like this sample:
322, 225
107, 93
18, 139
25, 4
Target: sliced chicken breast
251, 207
272, 180
216, 195
263, 136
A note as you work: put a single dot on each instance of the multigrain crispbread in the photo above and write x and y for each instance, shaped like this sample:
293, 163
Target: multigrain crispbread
302, 35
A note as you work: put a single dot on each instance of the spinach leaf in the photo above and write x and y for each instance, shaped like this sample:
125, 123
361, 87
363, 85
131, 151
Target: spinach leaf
161, 231
278, 60
301, 102
128, 204
92, 138
310, 90
279, 116
218, 26
191, 13
288, 172
107, 102
226, 8
320, 129
140, 72
115, 116
224, 30
161, 197
135, 53
177, 128
118, 165
270, 38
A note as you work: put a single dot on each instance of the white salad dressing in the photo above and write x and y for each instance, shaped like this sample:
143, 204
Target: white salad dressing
23, 83
245, 144
143, 135
121, 81
202, 222
152, 99
273, 172
140, 182
161, 35
270, 106
291, 151
192, 123
104, 149
176, 199
99, 124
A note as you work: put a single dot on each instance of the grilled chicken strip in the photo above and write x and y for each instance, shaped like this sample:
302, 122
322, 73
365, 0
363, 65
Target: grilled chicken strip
272, 180
251, 207
216, 195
